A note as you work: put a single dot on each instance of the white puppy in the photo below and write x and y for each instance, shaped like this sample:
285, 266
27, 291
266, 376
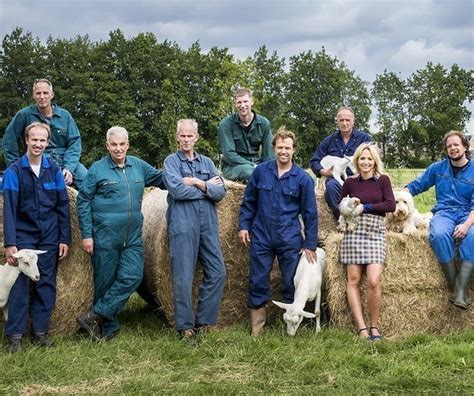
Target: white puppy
350, 212
339, 167
406, 219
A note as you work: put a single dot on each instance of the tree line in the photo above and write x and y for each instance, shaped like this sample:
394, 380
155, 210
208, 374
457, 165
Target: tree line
145, 86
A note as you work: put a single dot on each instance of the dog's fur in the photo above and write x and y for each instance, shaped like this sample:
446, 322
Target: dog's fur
349, 213
406, 219
339, 167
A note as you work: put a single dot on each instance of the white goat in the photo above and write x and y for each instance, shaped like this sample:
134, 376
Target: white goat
28, 264
339, 167
308, 280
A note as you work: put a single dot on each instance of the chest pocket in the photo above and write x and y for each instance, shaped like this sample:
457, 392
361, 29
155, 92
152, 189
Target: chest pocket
256, 138
291, 197
109, 188
444, 183
202, 174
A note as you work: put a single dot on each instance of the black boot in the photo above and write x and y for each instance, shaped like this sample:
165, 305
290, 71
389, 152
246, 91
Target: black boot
463, 280
41, 339
13, 343
449, 271
92, 323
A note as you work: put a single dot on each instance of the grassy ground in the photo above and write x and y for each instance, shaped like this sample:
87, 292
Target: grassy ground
147, 357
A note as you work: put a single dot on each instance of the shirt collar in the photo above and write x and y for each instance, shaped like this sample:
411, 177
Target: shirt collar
183, 157
45, 162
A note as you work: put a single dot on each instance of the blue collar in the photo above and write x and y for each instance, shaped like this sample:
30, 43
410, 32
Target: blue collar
45, 162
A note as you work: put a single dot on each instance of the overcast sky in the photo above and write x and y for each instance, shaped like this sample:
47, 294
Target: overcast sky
369, 36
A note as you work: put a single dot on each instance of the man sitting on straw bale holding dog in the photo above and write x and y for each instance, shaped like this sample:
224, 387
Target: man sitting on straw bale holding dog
110, 217
194, 187
277, 193
453, 214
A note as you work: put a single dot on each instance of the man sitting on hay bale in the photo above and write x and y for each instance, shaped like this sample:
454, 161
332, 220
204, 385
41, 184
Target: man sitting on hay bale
278, 192
110, 218
453, 214
194, 186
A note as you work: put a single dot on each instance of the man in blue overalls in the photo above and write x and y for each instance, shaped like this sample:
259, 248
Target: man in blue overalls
277, 194
343, 142
453, 214
35, 216
194, 187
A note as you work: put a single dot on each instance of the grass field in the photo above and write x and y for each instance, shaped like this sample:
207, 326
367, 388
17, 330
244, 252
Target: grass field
147, 357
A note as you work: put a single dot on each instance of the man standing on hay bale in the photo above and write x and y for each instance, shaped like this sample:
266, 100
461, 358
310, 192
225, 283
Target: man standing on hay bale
35, 216
453, 214
65, 142
110, 218
365, 246
194, 186
245, 139
343, 142
278, 192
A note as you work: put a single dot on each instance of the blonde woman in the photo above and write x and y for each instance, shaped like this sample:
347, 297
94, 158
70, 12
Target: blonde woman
365, 247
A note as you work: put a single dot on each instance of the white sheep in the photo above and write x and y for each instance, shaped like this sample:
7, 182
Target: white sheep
28, 264
339, 167
308, 280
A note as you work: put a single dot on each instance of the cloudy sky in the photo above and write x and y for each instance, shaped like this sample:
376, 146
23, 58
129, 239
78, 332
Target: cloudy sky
369, 36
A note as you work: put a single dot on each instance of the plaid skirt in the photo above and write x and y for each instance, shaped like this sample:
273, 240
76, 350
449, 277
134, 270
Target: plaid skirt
367, 244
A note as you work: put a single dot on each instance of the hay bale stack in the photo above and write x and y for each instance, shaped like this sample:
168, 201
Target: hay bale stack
74, 281
157, 269
415, 297
2, 250
326, 221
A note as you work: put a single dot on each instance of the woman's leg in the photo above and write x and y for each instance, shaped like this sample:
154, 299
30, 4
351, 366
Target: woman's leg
354, 274
374, 295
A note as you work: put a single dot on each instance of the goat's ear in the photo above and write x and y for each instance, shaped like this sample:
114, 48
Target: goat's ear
305, 314
39, 251
280, 304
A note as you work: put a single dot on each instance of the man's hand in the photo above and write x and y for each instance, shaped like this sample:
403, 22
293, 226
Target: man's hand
9, 252
244, 237
88, 245
68, 178
216, 180
326, 172
63, 251
310, 254
460, 231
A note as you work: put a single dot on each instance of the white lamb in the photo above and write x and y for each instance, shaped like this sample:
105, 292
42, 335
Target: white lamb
28, 264
339, 167
308, 280
349, 213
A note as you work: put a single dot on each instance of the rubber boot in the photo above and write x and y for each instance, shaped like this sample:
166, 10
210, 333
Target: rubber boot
257, 318
461, 286
92, 323
449, 271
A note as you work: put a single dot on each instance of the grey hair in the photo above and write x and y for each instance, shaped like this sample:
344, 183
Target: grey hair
117, 130
191, 121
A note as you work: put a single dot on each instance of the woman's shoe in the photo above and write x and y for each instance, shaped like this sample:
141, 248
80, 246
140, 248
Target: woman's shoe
361, 330
377, 337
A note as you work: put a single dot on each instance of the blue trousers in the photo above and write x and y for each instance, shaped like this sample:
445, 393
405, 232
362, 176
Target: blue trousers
186, 248
333, 195
117, 274
41, 304
441, 237
262, 256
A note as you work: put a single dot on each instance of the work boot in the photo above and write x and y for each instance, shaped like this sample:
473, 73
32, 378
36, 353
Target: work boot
257, 318
41, 339
189, 336
449, 271
92, 323
461, 286
13, 343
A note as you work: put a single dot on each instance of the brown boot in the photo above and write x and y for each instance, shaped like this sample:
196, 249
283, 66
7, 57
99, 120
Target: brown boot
257, 317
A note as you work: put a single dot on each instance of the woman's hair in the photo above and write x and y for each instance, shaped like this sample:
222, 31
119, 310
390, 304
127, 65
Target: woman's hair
374, 152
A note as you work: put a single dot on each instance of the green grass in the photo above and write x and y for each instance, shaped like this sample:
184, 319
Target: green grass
147, 357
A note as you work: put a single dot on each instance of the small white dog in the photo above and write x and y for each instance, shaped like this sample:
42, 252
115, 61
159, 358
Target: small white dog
350, 212
339, 167
406, 219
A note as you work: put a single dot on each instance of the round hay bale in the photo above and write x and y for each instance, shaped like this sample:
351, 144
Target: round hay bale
74, 281
326, 221
415, 296
157, 277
